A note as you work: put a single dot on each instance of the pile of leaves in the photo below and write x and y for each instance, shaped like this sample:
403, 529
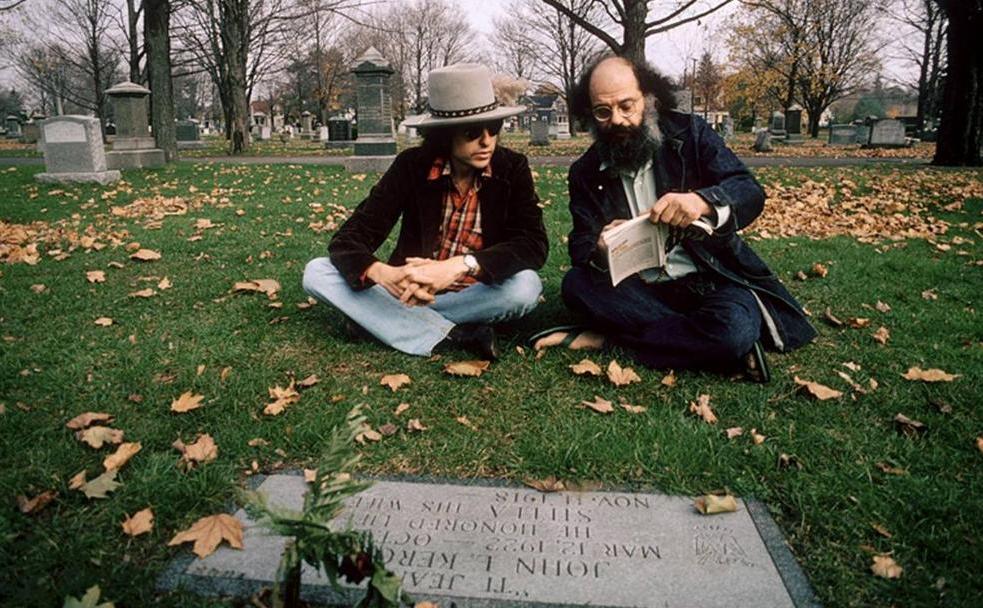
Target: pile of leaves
899, 206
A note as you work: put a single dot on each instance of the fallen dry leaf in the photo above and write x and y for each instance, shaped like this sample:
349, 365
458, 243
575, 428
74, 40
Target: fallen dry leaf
30, 506
787, 461
907, 426
268, 286
929, 375
257, 442
819, 270
139, 523
186, 402
367, 434
885, 567
586, 366
853, 367
858, 322
601, 406
464, 420
102, 485
756, 437
87, 418
310, 475
202, 451
633, 409
77, 480
97, 436
979, 443
891, 470
819, 391
882, 307
145, 255
882, 335
282, 397
395, 381
95, 276
930, 294
121, 456
103, 321
881, 530
402, 407
308, 382
620, 376
200, 369
143, 293
208, 532
550, 484
669, 379
39, 288
734, 431
701, 407
388, 429
164, 283
711, 504
830, 318
414, 424
467, 368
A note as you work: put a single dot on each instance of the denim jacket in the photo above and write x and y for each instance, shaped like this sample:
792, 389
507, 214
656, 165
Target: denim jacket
692, 158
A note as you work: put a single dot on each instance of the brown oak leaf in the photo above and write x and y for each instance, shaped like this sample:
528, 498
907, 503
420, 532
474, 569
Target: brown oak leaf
30, 506
907, 426
203, 450
388, 429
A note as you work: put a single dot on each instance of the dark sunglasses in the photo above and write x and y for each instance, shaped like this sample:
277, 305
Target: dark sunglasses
473, 132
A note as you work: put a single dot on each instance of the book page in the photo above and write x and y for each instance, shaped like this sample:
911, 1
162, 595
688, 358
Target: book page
633, 246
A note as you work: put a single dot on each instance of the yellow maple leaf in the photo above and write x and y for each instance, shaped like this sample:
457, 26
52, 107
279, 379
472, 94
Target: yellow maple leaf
139, 523
97, 436
186, 402
208, 532
620, 376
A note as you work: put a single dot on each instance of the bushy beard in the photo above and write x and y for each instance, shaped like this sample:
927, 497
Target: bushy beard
626, 149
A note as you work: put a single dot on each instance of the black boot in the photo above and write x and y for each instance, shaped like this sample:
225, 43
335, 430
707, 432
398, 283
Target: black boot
756, 365
477, 339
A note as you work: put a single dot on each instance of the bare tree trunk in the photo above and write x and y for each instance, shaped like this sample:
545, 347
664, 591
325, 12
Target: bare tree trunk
962, 103
235, 40
634, 44
132, 16
157, 25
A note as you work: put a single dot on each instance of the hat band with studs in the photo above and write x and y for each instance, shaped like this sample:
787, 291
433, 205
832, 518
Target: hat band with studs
459, 113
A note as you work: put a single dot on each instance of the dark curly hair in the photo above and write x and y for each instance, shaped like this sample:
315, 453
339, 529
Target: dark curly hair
650, 81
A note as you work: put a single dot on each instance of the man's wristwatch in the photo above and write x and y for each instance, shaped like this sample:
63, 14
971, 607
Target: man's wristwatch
472, 263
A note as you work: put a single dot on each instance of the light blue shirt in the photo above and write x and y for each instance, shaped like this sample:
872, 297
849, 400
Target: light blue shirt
641, 193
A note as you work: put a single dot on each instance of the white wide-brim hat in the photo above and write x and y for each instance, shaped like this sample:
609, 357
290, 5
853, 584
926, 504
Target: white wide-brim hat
462, 94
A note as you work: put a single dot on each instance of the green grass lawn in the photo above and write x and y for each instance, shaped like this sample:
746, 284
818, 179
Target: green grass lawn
862, 486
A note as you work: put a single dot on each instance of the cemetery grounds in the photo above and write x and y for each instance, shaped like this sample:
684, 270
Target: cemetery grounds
186, 281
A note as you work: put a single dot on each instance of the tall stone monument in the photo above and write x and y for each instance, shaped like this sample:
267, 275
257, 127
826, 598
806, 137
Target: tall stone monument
376, 137
73, 151
133, 147
13, 127
793, 124
777, 126
306, 125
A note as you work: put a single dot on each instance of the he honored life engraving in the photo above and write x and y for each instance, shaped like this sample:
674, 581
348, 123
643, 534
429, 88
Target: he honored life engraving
481, 545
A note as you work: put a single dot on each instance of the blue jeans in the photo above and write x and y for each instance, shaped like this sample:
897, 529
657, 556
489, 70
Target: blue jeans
695, 322
417, 329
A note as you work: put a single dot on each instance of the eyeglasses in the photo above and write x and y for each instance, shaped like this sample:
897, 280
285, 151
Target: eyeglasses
629, 108
473, 132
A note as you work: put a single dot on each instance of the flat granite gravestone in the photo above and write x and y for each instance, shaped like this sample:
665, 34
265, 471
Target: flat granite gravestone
474, 546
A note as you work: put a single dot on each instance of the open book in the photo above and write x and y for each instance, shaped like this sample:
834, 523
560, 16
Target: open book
638, 244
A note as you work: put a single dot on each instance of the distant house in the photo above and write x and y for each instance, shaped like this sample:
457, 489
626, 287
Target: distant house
551, 108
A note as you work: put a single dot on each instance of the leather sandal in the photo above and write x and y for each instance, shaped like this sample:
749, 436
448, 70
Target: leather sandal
756, 365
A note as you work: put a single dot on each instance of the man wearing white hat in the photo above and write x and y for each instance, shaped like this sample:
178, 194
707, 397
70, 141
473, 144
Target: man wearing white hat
471, 236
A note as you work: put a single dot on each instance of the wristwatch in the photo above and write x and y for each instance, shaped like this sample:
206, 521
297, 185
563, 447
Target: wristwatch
472, 263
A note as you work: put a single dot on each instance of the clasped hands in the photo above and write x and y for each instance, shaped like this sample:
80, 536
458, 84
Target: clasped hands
417, 282
678, 209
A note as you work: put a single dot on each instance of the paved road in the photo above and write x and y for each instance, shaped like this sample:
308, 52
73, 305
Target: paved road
538, 161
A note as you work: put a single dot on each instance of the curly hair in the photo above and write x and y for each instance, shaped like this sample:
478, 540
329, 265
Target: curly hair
650, 81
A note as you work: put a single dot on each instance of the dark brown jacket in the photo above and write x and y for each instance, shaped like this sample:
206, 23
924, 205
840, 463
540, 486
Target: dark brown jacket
511, 220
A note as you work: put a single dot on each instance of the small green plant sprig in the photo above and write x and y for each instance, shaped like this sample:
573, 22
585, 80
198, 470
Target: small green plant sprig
348, 554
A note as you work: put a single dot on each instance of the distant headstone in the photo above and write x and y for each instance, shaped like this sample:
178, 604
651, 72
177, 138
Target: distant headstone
474, 546
539, 133
73, 151
339, 133
887, 133
133, 146
322, 133
306, 125
31, 132
375, 116
727, 128
842, 135
793, 124
777, 125
562, 120
762, 141
188, 135
13, 126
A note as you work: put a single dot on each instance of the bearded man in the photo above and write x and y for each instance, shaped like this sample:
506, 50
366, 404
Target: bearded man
715, 303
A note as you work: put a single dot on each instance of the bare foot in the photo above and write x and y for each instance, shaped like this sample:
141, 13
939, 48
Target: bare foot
585, 340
